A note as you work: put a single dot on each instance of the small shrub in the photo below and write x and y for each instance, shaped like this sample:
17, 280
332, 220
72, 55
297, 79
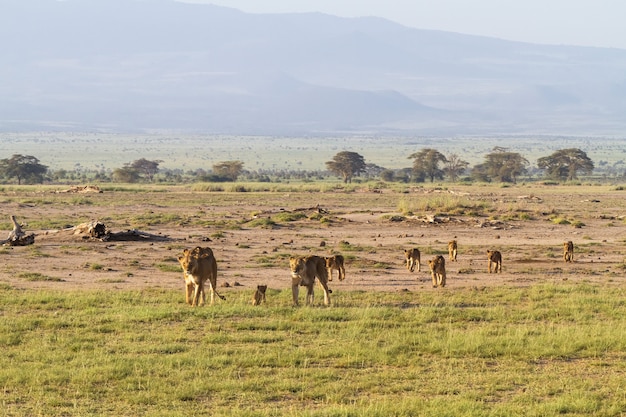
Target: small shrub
168, 267
263, 222
208, 187
36, 276
112, 281
289, 217
316, 216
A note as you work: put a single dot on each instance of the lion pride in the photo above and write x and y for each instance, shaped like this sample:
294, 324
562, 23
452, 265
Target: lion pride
304, 270
199, 266
568, 251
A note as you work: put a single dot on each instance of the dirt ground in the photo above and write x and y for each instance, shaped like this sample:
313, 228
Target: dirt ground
371, 239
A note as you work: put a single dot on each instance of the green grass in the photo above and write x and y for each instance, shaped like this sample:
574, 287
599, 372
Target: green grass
37, 277
536, 351
442, 203
168, 267
262, 222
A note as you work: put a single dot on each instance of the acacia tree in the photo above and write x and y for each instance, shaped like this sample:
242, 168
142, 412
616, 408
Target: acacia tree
347, 164
147, 168
502, 165
23, 167
454, 166
229, 169
565, 164
426, 164
373, 170
125, 174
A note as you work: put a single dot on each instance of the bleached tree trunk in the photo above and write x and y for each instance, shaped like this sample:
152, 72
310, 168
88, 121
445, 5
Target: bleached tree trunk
17, 233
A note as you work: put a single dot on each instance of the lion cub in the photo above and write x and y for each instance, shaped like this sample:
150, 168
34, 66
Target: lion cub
452, 250
438, 271
568, 251
412, 257
259, 295
335, 262
494, 258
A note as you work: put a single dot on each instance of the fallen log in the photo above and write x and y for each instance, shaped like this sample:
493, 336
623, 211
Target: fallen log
17, 231
97, 230
22, 241
17, 236
133, 235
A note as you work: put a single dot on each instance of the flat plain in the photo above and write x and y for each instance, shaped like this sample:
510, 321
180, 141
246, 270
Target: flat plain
495, 344
254, 233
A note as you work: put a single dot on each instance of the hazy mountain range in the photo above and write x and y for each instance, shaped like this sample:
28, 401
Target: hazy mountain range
124, 65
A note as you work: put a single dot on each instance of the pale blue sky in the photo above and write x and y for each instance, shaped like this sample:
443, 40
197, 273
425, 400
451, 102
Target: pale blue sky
571, 22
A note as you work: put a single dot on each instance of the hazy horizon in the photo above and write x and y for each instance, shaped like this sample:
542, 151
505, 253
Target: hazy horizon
154, 65
554, 22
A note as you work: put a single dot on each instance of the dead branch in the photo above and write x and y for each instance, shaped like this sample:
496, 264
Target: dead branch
97, 230
17, 236
134, 235
17, 231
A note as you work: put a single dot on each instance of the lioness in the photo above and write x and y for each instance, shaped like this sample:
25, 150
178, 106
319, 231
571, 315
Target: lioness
438, 271
259, 295
494, 258
452, 250
198, 265
304, 269
568, 251
335, 262
412, 257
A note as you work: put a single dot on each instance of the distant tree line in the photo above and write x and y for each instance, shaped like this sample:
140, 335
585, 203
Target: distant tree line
428, 164
500, 165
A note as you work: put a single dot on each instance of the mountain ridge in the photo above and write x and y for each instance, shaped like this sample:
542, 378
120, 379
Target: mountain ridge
127, 65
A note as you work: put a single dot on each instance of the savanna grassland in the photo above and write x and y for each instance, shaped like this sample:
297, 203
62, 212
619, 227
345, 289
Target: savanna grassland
100, 151
101, 328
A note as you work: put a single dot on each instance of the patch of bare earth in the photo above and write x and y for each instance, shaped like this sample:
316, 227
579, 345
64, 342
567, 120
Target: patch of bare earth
371, 239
